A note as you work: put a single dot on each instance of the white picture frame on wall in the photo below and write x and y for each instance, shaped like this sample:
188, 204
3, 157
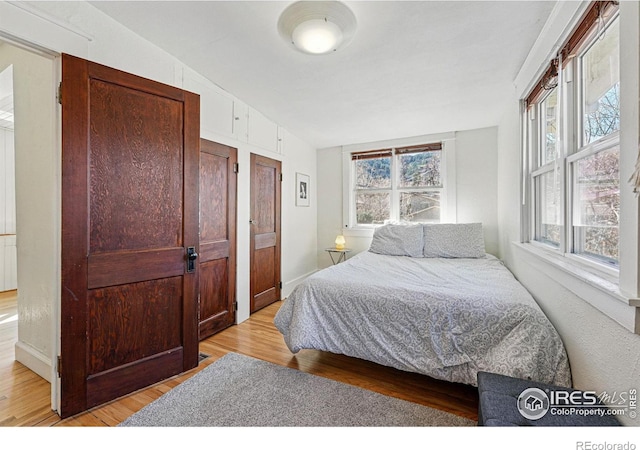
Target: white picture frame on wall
302, 189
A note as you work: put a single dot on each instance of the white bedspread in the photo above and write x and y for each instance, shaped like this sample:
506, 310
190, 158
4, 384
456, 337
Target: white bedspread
446, 318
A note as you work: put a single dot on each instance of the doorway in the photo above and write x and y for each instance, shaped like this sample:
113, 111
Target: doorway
37, 205
8, 258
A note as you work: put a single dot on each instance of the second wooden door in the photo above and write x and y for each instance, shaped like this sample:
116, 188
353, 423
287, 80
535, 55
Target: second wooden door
218, 181
266, 178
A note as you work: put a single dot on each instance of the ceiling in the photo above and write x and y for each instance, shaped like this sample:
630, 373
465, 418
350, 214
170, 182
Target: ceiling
412, 68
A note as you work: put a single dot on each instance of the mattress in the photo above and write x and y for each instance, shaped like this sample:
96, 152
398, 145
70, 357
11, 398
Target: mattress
447, 318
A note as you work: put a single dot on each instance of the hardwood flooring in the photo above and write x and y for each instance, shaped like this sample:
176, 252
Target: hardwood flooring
25, 397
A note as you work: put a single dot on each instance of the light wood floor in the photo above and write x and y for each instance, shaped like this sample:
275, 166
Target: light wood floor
25, 397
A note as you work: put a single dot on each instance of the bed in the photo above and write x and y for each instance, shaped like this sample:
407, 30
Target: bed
426, 299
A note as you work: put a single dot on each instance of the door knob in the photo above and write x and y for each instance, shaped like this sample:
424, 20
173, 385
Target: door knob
191, 259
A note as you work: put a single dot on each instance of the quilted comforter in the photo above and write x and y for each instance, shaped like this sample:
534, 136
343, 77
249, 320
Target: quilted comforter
446, 318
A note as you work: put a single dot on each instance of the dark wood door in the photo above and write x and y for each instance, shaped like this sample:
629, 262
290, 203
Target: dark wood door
129, 213
218, 181
265, 231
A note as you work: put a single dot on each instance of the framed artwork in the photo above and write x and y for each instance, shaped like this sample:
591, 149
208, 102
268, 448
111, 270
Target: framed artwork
302, 189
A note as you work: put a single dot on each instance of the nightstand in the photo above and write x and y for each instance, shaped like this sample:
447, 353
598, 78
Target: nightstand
340, 253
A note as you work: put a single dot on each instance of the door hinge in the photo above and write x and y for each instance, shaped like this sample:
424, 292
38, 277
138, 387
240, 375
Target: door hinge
280, 285
59, 366
236, 167
235, 306
280, 177
60, 93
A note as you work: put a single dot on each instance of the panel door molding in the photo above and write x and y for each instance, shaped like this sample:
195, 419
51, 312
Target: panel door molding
218, 199
265, 231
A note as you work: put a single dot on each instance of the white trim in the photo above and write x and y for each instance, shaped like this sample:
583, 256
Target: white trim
34, 360
347, 207
449, 207
359, 232
36, 30
291, 284
629, 256
52, 19
600, 292
602, 144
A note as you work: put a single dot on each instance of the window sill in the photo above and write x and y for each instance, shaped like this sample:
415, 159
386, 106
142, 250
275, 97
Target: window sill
358, 232
599, 290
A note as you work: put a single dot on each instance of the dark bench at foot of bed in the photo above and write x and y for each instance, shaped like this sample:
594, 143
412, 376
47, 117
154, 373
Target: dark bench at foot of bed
498, 405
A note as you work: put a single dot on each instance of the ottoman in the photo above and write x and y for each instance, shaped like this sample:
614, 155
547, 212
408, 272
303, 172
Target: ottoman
498, 404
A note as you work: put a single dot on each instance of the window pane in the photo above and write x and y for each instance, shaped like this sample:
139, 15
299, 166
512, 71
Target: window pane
420, 206
601, 77
420, 169
550, 220
373, 208
373, 173
550, 131
597, 205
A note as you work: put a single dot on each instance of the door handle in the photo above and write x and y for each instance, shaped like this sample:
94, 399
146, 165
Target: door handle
191, 259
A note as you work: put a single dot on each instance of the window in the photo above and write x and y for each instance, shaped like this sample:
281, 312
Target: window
402, 184
595, 166
574, 144
547, 178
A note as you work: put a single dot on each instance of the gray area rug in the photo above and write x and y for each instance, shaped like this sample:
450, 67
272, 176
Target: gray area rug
240, 391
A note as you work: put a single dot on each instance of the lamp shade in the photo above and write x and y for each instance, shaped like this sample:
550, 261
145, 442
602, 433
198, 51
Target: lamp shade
340, 242
317, 27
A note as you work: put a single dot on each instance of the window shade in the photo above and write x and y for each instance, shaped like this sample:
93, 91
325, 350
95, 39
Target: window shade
371, 154
584, 31
587, 27
419, 148
543, 84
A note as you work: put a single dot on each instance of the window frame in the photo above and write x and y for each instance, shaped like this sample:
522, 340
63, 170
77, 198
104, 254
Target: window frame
615, 295
395, 190
541, 168
571, 134
447, 173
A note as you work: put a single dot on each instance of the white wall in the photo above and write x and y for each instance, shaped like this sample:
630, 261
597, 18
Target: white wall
79, 29
227, 120
604, 356
476, 181
476, 154
37, 205
330, 205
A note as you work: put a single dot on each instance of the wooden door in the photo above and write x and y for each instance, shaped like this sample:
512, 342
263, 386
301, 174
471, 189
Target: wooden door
218, 181
129, 214
265, 231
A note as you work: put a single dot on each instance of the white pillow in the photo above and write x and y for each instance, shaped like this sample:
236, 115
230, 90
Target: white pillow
398, 240
453, 240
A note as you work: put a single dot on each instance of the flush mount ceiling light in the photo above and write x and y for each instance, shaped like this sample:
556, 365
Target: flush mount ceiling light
317, 27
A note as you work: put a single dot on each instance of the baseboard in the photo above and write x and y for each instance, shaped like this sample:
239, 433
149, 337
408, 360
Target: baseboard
34, 360
290, 285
